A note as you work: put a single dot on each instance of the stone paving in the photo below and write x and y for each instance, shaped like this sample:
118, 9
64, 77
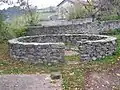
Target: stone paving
29, 82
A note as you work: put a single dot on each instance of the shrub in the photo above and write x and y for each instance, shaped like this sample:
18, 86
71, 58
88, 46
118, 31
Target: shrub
18, 25
32, 19
4, 32
77, 12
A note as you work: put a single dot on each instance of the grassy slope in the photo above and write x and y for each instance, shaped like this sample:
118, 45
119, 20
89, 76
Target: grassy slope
73, 75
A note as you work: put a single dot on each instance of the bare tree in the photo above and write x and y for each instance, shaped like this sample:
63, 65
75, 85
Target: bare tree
29, 10
95, 7
9, 2
116, 5
25, 5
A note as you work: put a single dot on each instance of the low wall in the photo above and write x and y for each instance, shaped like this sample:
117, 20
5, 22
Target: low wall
50, 48
37, 53
75, 28
65, 22
92, 50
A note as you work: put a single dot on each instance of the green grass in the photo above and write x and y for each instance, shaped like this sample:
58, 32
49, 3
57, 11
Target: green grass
73, 75
115, 32
72, 58
110, 17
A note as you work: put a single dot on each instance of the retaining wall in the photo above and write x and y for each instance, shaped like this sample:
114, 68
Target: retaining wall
75, 28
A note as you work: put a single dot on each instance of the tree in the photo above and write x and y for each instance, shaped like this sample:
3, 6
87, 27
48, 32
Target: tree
95, 7
116, 5
29, 10
16, 27
91, 8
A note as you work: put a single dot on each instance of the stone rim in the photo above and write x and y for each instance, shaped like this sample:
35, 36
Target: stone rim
16, 40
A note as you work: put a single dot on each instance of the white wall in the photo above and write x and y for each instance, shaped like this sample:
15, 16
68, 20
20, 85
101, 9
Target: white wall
63, 9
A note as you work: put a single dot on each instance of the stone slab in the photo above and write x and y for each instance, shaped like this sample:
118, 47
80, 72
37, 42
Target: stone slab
29, 82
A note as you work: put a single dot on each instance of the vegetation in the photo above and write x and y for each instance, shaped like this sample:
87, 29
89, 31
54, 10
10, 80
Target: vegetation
100, 10
112, 32
109, 17
4, 32
21, 22
17, 26
73, 74
77, 12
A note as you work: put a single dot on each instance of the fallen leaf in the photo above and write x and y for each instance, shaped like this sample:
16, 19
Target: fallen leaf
118, 74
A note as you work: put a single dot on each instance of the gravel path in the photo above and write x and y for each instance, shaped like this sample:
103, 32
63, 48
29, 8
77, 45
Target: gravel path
28, 82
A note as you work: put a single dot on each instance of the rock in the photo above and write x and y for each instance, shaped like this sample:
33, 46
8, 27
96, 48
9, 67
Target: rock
55, 75
94, 58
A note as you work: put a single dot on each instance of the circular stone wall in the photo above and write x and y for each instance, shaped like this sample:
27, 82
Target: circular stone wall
50, 48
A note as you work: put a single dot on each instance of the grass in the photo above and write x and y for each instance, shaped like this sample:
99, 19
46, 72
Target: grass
112, 32
73, 75
72, 58
109, 17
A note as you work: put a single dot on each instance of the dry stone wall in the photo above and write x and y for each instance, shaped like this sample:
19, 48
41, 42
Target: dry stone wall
74, 28
37, 53
92, 50
50, 48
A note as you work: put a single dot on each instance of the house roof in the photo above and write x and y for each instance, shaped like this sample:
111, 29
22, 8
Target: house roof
64, 2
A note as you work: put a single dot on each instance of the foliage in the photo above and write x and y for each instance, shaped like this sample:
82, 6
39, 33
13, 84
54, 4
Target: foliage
4, 32
116, 5
15, 28
109, 17
30, 11
99, 10
77, 12
83, 10
32, 20
18, 25
112, 32
110, 10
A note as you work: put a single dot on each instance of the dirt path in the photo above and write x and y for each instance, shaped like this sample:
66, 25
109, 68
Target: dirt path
108, 80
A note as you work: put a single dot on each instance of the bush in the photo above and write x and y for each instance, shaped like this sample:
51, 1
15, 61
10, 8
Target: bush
77, 12
4, 32
11, 30
18, 25
33, 19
